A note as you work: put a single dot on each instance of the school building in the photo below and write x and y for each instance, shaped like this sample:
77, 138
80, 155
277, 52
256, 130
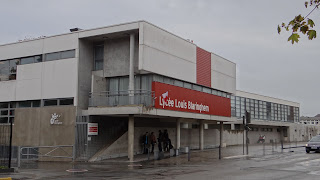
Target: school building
100, 90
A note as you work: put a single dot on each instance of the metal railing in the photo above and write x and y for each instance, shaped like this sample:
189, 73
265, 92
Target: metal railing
40, 151
121, 98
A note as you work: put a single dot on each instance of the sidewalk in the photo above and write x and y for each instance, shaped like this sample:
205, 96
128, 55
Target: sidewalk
118, 167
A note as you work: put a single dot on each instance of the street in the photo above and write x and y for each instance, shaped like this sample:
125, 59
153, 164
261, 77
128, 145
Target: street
292, 163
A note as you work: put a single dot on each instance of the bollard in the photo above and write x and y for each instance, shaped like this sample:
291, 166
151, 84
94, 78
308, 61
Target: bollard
296, 143
148, 154
272, 147
219, 152
264, 153
19, 157
188, 154
276, 144
281, 145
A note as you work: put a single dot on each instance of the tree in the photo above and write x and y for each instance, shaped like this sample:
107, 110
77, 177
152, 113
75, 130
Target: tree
301, 25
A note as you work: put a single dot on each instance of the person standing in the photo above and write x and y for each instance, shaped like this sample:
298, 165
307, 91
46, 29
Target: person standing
153, 141
160, 140
145, 143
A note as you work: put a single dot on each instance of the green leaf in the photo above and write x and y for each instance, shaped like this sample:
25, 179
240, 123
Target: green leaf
311, 23
294, 38
279, 29
312, 34
304, 29
295, 27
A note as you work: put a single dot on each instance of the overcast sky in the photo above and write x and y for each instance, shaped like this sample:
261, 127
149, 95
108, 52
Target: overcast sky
241, 31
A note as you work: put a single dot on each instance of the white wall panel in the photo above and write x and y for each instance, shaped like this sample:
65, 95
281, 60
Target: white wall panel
167, 65
22, 49
223, 82
59, 78
222, 65
28, 89
168, 43
60, 43
29, 71
7, 90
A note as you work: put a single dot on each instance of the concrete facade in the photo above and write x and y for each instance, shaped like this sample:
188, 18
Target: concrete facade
155, 54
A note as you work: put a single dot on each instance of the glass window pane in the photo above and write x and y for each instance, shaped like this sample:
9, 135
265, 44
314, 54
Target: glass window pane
36, 103
168, 80
114, 85
3, 120
68, 54
98, 65
52, 56
196, 87
27, 60
50, 102
123, 83
178, 83
38, 58
4, 70
4, 113
187, 85
146, 83
98, 52
66, 101
4, 105
25, 104
98, 57
13, 65
206, 90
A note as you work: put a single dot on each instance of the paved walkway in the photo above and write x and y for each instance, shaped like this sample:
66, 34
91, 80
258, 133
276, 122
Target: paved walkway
202, 164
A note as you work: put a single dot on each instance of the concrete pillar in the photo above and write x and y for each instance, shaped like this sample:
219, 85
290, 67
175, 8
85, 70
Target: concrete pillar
178, 133
130, 137
201, 132
221, 134
131, 70
221, 140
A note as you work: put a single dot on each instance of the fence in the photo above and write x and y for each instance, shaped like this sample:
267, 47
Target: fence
120, 98
5, 145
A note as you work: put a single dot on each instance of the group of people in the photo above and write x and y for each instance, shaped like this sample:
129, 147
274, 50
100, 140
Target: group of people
164, 142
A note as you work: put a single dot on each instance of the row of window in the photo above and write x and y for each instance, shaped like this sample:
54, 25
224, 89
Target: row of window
263, 110
8, 68
144, 82
188, 85
7, 108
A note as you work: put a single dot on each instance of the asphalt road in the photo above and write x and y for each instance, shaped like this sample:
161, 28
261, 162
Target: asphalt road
288, 164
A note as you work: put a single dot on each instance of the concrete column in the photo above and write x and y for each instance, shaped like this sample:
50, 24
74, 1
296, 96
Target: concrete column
178, 133
221, 140
131, 70
201, 132
130, 137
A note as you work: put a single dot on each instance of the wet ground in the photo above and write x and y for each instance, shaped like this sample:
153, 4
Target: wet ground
273, 163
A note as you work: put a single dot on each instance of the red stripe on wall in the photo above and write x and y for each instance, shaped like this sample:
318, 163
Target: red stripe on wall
203, 67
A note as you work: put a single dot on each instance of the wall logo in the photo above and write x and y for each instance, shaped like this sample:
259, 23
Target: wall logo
165, 101
55, 119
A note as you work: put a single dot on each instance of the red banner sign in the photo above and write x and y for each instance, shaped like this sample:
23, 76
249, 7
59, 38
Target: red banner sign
176, 98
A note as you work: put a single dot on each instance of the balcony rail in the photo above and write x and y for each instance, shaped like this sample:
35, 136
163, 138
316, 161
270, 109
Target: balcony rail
121, 98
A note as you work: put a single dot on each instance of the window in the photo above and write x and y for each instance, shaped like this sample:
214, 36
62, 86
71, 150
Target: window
50, 102
98, 57
66, 102
30, 60
4, 70
52, 56
59, 55
24, 104
67, 54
